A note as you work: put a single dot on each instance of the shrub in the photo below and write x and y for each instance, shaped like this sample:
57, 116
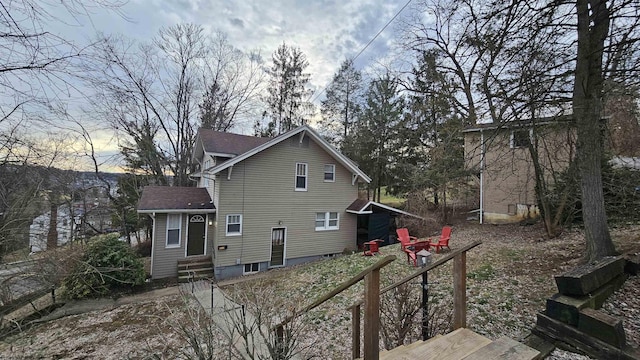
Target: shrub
107, 265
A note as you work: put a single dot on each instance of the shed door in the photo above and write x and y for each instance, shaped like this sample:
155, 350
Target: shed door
195, 242
277, 247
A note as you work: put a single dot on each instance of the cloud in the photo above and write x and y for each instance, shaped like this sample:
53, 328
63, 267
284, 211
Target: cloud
237, 22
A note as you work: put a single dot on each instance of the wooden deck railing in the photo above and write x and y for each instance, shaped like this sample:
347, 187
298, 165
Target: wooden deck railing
371, 349
371, 275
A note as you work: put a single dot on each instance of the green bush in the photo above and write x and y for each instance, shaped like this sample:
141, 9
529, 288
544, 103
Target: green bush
107, 265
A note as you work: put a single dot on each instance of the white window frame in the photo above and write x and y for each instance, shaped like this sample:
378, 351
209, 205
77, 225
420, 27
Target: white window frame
245, 272
327, 220
305, 176
227, 223
512, 138
332, 172
166, 243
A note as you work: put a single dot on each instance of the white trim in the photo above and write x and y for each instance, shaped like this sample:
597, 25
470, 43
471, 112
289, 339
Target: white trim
153, 241
250, 272
342, 159
333, 172
186, 241
166, 234
386, 207
226, 225
284, 249
229, 172
306, 177
177, 211
327, 219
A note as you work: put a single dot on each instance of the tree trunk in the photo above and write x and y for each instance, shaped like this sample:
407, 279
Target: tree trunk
587, 111
52, 235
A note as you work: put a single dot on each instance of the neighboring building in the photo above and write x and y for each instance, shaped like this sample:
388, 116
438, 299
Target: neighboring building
260, 203
39, 229
499, 155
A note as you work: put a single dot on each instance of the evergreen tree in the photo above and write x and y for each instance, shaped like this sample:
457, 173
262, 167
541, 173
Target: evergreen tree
342, 105
287, 106
375, 140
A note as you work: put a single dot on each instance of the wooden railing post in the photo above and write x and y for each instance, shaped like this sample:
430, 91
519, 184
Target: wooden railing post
355, 332
372, 315
460, 291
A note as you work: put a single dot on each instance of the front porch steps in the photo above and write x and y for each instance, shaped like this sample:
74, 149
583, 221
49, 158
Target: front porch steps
462, 344
196, 268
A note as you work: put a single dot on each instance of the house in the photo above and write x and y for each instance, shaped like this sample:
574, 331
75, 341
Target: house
39, 229
500, 157
260, 203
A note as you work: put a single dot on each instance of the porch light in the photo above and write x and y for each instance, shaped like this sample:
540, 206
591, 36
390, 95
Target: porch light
424, 257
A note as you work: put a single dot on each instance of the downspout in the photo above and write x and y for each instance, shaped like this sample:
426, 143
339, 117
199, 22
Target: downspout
153, 240
481, 175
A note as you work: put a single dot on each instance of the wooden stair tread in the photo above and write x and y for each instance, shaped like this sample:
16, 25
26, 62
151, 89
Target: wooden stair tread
453, 346
504, 348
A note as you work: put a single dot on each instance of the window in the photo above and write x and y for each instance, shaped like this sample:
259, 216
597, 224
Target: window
173, 230
520, 138
251, 268
329, 173
301, 177
234, 224
327, 221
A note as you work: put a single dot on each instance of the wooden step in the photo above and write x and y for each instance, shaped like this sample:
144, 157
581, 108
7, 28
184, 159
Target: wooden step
453, 346
504, 349
194, 259
195, 265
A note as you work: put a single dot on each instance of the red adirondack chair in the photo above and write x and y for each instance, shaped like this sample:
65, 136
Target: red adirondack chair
373, 247
411, 257
404, 238
443, 242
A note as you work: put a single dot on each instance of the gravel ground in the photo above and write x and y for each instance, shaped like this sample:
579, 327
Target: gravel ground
509, 277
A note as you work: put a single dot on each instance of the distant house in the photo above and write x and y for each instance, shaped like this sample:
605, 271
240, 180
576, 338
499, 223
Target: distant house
39, 229
260, 203
499, 155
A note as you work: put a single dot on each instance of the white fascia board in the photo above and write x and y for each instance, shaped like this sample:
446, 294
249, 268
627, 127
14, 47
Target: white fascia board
177, 211
394, 209
309, 131
359, 212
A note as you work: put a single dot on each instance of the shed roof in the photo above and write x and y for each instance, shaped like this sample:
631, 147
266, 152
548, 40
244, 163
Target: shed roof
361, 206
175, 199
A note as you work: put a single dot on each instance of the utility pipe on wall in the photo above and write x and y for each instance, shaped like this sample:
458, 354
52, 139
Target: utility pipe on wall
481, 175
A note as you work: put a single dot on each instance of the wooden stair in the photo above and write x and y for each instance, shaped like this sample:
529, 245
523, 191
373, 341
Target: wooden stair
196, 268
462, 344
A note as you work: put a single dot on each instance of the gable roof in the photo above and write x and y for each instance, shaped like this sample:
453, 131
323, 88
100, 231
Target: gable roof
305, 130
223, 143
361, 206
180, 199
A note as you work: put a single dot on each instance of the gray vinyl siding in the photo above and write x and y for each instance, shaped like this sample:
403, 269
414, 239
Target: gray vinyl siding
262, 190
165, 260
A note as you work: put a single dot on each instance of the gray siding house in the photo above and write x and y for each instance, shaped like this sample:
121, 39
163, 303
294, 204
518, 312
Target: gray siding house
262, 203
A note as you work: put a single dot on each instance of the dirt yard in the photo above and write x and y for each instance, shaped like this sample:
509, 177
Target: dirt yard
508, 279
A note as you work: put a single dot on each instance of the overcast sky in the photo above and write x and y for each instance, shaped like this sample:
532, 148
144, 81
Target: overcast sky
327, 31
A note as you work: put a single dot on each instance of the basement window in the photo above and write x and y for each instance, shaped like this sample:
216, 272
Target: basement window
251, 268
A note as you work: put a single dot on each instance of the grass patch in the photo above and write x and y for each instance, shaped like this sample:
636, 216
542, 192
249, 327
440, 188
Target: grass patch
482, 273
389, 199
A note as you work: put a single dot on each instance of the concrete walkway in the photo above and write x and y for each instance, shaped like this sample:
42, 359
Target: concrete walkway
227, 316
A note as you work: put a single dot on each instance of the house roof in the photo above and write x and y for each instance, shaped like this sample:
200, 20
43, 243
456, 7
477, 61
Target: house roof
228, 144
361, 206
304, 130
524, 123
175, 199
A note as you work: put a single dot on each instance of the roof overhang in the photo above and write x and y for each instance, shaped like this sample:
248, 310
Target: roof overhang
306, 131
366, 209
176, 211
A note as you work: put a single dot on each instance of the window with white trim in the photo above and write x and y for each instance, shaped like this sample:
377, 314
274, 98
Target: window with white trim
301, 176
251, 268
327, 221
174, 224
329, 172
234, 224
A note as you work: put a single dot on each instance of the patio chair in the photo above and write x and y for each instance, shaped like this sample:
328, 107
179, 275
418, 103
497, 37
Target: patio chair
404, 238
373, 247
443, 241
411, 257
